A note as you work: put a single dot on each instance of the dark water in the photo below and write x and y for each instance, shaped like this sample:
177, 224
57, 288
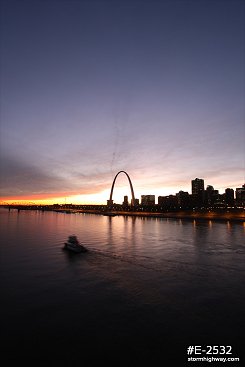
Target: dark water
146, 290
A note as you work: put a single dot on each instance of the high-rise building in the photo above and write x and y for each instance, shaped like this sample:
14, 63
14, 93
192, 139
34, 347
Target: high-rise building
197, 190
229, 197
125, 201
197, 186
183, 199
209, 196
240, 195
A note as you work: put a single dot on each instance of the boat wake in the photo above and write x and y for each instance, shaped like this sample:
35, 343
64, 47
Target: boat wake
162, 265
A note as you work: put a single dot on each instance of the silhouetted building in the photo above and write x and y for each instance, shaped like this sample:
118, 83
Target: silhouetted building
240, 196
209, 196
136, 202
167, 202
216, 195
147, 200
220, 202
197, 186
229, 197
125, 201
197, 190
110, 203
183, 199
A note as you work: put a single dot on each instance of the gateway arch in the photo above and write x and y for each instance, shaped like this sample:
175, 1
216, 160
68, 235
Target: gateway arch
110, 201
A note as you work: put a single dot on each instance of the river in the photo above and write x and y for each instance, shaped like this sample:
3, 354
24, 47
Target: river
146, 289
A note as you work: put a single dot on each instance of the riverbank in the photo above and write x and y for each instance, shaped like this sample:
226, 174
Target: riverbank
233, 214
238, 216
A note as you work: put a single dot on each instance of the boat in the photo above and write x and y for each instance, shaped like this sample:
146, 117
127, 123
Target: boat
74, 245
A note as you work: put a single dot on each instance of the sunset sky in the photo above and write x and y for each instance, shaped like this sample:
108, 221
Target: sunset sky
89, 88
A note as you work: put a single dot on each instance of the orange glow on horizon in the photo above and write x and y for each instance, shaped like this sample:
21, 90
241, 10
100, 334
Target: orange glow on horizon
50, 201
66, 198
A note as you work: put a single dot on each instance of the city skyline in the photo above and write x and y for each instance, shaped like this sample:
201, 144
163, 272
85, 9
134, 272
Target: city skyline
126, 193
92, 88
197, 186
